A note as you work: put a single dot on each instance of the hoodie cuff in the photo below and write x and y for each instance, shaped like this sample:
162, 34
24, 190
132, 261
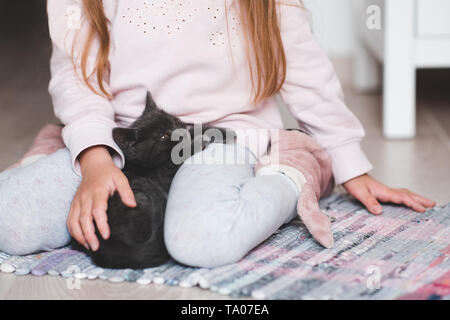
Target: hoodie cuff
349, 161
81, 136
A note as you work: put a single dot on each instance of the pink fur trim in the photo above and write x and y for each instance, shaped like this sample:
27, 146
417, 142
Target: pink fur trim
300, 151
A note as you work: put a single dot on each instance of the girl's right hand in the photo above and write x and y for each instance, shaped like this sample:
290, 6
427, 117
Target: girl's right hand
101, 179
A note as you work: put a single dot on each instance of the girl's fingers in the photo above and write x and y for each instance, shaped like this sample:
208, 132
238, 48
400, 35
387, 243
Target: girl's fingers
368, 199
87, 224
406, 197
99, 207
73, 224
402, 197
369, 191
125, 192
373, 205
422, 200
413, 204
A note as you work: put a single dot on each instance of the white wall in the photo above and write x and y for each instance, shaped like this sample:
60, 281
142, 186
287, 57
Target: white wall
332, 24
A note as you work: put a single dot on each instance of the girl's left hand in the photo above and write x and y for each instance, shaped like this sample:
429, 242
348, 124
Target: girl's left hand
368, 190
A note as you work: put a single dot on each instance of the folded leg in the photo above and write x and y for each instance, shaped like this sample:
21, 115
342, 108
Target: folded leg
35, 200
217, 212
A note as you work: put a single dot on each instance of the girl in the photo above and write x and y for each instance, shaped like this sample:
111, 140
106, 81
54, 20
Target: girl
219, 62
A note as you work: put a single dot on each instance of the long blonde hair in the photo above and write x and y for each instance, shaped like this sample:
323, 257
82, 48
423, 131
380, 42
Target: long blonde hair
265, 52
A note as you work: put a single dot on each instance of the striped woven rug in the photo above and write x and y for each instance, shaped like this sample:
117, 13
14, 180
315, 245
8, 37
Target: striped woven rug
399, 255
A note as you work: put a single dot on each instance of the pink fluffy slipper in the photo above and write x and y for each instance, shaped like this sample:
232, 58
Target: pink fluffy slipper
47, 141
303, 160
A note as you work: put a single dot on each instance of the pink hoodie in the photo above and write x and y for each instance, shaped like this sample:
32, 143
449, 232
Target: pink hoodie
190, 55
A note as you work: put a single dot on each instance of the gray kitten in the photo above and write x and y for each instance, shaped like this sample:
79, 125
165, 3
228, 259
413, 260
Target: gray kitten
137, 234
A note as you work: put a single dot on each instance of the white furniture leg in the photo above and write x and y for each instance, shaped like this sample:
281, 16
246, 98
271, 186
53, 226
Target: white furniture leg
365, 69
399, 105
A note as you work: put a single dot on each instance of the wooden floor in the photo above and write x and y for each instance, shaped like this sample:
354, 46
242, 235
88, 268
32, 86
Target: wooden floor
421, 164
30, 287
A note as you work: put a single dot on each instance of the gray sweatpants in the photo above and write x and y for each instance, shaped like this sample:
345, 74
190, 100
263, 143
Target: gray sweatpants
216, 212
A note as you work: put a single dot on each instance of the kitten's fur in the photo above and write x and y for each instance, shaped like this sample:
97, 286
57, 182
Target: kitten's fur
137, 238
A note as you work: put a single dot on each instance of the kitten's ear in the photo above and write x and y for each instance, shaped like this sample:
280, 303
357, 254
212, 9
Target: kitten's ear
125, 136
150, 105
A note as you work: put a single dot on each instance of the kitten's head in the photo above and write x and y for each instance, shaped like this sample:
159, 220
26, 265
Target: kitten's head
147, 143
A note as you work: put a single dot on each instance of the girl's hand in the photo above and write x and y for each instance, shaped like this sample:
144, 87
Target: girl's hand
101, 178
367, 190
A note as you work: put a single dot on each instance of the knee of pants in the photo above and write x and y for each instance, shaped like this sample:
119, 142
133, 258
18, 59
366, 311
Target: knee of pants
14, 233
16, 239
196, 239
26, 229
20, 237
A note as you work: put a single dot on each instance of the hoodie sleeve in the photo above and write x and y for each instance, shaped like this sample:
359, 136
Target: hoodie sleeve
88, 117
314, 96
